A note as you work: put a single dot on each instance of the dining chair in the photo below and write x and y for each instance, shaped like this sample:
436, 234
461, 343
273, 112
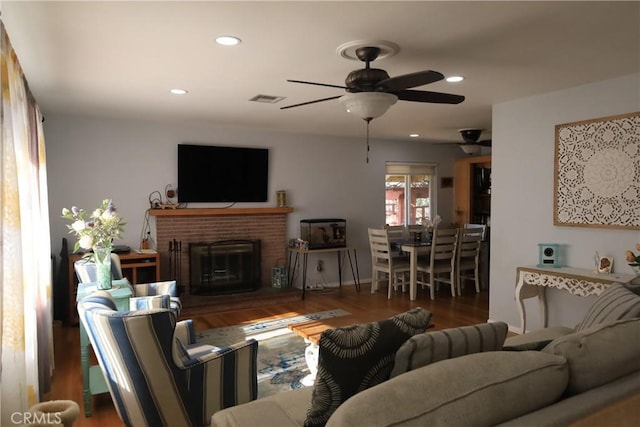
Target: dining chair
397, 234
478, 228
442, 259
386, 266
468, 257
416, 228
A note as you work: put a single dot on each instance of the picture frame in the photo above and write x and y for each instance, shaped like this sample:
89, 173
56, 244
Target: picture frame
446, 182
596, 162
605, 265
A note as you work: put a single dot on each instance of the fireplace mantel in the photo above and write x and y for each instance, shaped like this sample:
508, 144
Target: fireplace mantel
219, 211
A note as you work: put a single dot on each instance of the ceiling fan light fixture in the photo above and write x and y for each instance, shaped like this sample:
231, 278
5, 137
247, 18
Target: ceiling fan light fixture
471, 148
454, 79
470, 135
368, 105
228, 40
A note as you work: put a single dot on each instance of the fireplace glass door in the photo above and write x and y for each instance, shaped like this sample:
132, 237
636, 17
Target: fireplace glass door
229, 266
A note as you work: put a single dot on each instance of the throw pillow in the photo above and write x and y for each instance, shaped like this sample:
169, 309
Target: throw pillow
615, 303
354, 358
599, 354
424, 349
149, 303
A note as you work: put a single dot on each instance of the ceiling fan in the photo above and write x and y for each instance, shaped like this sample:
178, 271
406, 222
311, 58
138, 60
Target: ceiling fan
471, 143
379, 90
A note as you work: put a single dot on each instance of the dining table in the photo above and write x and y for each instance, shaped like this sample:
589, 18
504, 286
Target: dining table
414, 248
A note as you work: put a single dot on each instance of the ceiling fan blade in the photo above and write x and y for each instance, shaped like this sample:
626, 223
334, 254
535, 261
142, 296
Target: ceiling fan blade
310, 102
316, 84
425, 96
485, 143
407, 81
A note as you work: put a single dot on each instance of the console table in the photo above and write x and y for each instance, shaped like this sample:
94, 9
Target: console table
533, 282
92, 378
305, 254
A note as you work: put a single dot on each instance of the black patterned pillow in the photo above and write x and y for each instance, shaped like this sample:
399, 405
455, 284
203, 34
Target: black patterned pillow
354, 358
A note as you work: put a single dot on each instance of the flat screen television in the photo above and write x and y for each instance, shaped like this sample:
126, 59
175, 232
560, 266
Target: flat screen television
222, 174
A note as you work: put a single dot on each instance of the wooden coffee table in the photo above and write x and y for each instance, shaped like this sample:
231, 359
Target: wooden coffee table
312, 329
311, 332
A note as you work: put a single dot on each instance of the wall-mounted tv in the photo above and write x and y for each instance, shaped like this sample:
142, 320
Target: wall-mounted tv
222, 174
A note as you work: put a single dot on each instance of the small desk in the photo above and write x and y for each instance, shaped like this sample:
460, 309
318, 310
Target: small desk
305, 254
533, 281
413, 249
92, 378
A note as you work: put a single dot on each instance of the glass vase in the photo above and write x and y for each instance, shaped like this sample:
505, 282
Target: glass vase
102, 259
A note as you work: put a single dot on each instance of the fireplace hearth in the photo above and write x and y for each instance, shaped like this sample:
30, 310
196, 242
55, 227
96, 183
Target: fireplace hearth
224, 267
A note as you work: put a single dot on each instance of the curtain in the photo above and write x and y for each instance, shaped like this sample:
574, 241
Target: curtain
25, 250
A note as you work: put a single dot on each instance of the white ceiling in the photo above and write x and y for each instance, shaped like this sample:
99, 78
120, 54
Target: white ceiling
119, 59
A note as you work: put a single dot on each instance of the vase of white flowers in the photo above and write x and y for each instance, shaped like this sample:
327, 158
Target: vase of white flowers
102, 260
96, 233
634, 260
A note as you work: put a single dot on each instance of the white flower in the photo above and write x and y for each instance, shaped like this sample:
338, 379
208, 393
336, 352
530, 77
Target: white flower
107, 215
78, 225
86, 242
99, 229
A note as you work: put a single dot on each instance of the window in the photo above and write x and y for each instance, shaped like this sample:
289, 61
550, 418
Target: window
409, 193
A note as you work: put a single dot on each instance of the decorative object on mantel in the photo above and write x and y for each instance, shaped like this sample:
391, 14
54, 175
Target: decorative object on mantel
596, 167
634, 260
281, 196
96, 232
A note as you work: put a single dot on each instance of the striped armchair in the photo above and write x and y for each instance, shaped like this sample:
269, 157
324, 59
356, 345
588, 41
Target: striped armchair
155, 371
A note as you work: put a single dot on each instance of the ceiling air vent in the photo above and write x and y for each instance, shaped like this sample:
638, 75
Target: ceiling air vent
269, 99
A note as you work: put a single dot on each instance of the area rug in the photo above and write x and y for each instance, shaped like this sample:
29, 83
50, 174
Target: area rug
281, 361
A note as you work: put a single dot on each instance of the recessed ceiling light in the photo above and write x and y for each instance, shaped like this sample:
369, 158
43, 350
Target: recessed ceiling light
178, 91
455, 79
227, 40
414, 135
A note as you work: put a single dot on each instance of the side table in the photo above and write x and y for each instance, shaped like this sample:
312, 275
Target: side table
92, 378
305, 255
533, 281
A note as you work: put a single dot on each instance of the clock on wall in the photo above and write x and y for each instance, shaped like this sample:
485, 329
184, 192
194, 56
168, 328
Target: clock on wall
549, 255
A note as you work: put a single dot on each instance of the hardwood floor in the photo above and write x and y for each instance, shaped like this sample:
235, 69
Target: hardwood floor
468, 309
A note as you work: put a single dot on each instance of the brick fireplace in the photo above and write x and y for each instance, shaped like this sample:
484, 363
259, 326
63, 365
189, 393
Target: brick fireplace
269, 225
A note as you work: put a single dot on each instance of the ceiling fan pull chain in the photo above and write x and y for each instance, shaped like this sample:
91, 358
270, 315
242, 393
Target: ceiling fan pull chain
368, 121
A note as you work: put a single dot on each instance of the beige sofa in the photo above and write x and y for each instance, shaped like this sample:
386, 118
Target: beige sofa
435, 383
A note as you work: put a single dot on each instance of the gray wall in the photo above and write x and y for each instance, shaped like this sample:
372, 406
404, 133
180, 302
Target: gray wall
90, 159
522, 195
